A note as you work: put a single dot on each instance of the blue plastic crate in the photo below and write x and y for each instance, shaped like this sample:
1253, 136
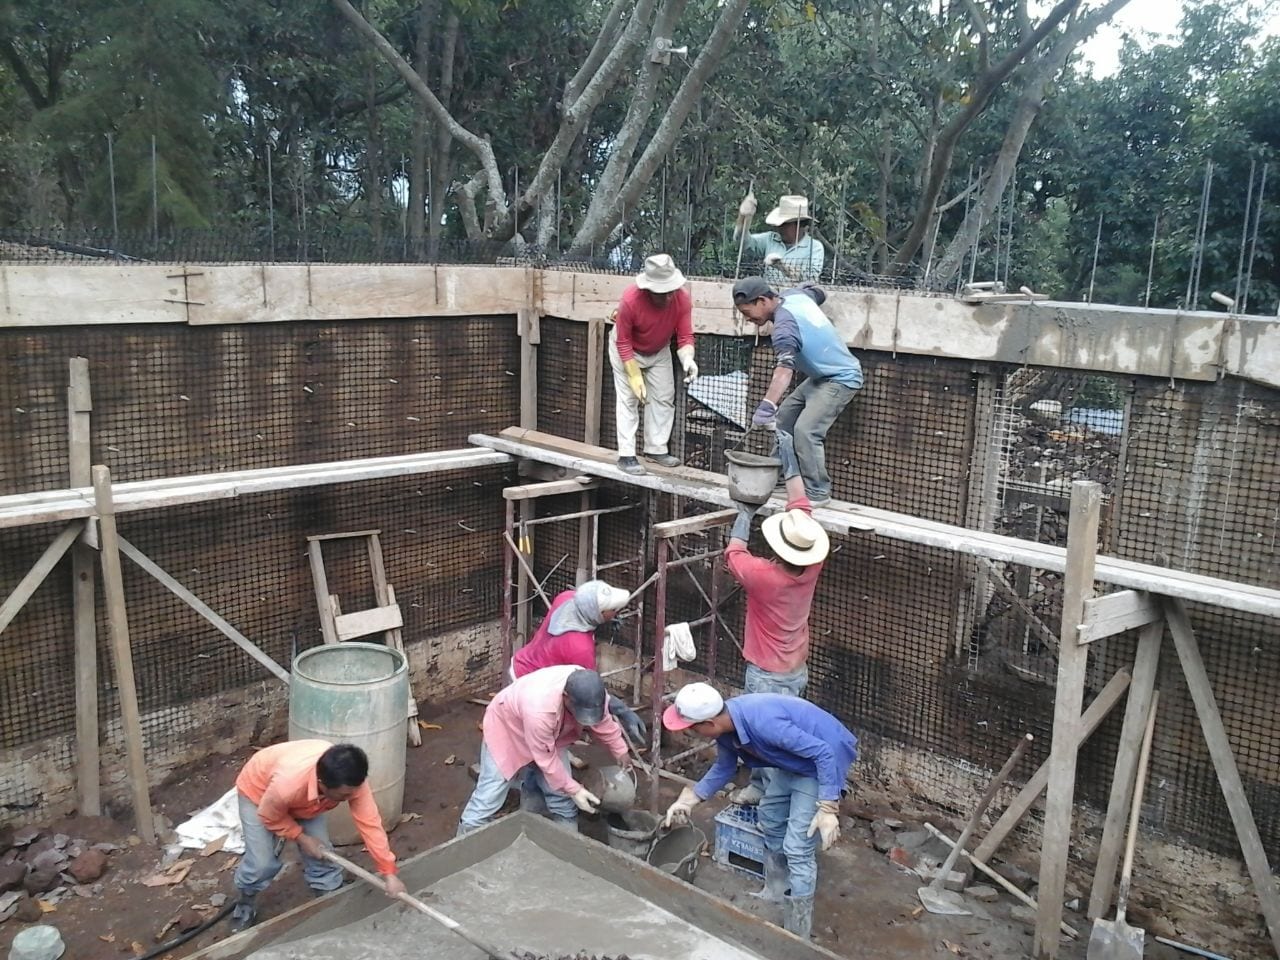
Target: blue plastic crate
739, 840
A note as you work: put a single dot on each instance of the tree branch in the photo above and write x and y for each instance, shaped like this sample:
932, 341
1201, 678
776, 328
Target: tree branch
25, 79
605, 40
467, 205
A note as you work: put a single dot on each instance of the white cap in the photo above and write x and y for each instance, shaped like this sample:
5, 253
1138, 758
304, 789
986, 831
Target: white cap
695, 703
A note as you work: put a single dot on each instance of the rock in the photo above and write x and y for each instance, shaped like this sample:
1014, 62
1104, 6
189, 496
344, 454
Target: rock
983, 893
1015, 875
89, 866
40, 846
187, 920
6, 839
893, 824
217, 900
954, 880
28, 911
903, 857
1024, 915
41, 881
883, 837
923, 843
12, 875
60, 841
25, 836
48, 860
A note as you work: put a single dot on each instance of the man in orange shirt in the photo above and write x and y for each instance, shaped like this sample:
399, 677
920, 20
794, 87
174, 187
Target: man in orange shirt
284, 792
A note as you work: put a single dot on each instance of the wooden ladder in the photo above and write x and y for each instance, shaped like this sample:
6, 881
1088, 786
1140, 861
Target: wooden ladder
385, 618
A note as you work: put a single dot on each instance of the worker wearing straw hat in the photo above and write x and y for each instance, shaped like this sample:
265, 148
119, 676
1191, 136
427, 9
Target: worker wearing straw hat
652, 313
789, 253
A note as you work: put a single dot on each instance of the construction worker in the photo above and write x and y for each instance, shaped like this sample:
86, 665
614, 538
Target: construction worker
810, 751
567, 636
779, 593
530, 724
284, 792
803, 340
789, 253
651, 313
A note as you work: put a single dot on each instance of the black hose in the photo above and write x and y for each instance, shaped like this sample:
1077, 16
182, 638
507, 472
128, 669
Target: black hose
182, 938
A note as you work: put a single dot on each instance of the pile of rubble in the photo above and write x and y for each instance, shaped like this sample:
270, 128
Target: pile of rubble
38, 870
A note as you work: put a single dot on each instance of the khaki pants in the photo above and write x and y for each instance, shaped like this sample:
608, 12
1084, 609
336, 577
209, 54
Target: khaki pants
660, 403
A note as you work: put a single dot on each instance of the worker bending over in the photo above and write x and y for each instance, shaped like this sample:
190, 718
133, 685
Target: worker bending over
652, 312
790, 254
530, 724
284, 792
803, 340
811, 752
779, 591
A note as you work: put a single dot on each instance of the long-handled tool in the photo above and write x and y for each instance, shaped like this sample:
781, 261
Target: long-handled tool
948, 902
492, 952
1115, 939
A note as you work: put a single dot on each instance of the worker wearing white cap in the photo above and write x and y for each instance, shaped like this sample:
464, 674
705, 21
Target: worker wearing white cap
652, 313
810, 751
789, 253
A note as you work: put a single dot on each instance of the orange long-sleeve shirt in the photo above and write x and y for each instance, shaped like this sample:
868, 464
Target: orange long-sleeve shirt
281, 781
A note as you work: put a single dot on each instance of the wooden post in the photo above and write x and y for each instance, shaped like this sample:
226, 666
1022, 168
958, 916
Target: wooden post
530, 337
1136, 712
1224, 762
83, 601
591, 435
508, 585
659, 674
1073, 657
121, 653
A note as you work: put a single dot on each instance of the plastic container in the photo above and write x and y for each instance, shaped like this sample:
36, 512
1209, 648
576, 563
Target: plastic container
739, 840
679, 852
355, 693
752, 478
632, 831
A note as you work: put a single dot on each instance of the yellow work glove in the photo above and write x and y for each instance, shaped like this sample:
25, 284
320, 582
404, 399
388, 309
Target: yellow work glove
686, 361
826, 822
635, 378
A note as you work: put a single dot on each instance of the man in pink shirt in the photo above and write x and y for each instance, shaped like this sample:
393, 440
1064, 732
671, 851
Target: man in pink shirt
651, 313
284, 792
531, 724
779, 593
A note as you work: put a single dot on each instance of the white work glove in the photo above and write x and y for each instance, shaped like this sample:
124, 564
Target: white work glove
826, 822
679, 811
586, 801
772, 259
686, 360
747, 208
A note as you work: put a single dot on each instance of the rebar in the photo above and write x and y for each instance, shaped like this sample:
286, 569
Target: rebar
1097, 245
1244, 230
111, 172
1253, 243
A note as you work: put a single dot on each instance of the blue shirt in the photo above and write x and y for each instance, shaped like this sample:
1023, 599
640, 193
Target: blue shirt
805, 340
803, 260
775, 730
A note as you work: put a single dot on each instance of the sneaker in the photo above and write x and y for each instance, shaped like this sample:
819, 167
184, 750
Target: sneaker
748, 796
664, 459
630, 465
245, 914
819, 501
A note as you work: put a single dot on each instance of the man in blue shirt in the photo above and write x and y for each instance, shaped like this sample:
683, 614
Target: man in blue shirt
803, 340
810, 752
789, 253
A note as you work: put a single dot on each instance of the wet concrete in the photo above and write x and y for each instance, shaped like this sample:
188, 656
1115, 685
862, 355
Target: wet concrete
522, 898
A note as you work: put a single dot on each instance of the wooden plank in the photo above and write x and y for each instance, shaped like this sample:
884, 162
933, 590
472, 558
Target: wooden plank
1114, 613
593, 399
1096, 712
395, 640
362, 623
528, 370
38, 572
1028, 614
551, 488
122, 654
1073, 656
83, 601
344, 536
703, 521
1137, 710
328, 629
1224, 762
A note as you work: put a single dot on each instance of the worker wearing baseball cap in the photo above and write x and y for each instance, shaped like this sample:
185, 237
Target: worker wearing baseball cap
811, 752
531, 724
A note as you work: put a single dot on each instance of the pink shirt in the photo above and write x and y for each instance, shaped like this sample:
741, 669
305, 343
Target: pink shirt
645, 329
575, 647
527, 722
778, 604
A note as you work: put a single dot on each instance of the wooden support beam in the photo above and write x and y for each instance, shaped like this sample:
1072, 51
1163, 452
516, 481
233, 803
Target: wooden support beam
83, 602
1124, 776
1028, 614
1073, 657
122, 654
199, 606
362, 623
1224, 762
1096, 712
703, 521
38, 572
1114, 613
524, 565
594, 397
320, 582
343, 536
551, 488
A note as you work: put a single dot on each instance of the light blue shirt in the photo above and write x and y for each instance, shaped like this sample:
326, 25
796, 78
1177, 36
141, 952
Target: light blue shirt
805, 340
804, 260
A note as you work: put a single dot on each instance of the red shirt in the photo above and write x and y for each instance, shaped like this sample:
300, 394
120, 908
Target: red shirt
778, 604
575, 647
646, 329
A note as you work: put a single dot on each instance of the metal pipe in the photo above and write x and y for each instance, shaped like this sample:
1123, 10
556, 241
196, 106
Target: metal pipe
508, 572
659, 674
598, 511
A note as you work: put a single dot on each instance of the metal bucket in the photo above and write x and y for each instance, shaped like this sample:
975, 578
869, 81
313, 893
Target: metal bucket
751, 476
632, 831
679, 851
355, 693
615, 787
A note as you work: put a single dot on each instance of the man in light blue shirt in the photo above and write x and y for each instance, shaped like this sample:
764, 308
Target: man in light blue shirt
790, 255
809, 752
804, 340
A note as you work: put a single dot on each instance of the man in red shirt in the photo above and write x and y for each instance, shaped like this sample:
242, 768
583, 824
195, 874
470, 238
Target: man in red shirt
284, 792
779, 593
651, 313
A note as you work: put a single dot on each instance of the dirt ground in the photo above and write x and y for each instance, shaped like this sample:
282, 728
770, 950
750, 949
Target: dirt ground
866, 907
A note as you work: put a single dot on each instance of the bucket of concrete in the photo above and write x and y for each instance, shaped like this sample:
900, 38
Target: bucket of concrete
678, 852
615, 787
751, 476
632, 831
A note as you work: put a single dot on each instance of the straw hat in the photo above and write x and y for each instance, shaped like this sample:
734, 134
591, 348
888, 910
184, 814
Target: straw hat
789, 208
796, 537
660, 274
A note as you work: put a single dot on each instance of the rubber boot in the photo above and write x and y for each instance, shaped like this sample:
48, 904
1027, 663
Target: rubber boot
245, 914
775, 878
797, 916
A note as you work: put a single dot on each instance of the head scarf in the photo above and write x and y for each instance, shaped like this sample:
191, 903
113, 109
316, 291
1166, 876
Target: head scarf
584, 611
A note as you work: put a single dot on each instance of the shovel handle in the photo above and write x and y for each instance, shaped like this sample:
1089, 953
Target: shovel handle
1139, 788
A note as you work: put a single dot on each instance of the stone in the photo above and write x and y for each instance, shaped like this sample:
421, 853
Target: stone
6, 839
982, 892
60, 841
48, 860
923, 843
903, 857
217, 900
1024, 915
12, 875
40, 846
89, 866
1015, 875
954, 880
28, 911
188, 920
882, 837
41, 881
25, 836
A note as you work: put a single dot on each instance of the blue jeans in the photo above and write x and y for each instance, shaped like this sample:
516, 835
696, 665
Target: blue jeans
261, 863
807, 414
789, 806
492, 788
757, 680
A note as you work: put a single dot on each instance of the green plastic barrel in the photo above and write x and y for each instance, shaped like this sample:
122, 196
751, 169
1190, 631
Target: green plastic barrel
355, 693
